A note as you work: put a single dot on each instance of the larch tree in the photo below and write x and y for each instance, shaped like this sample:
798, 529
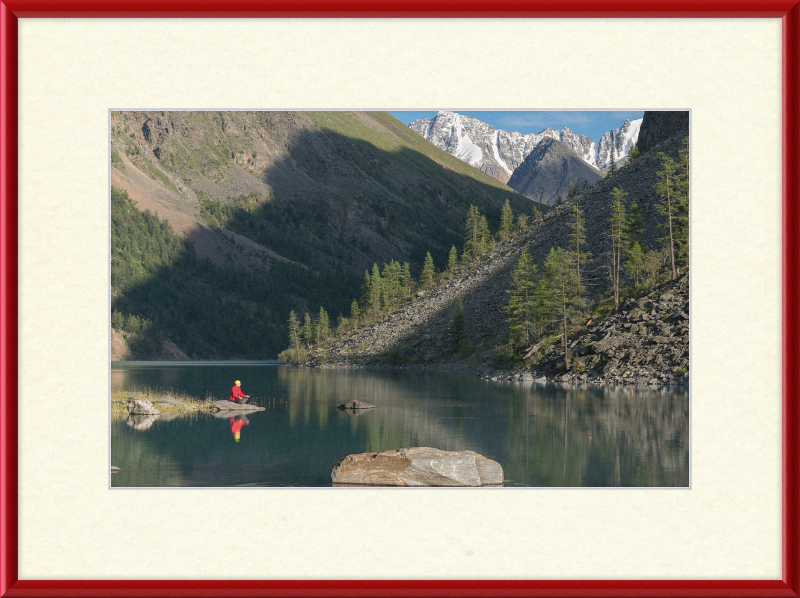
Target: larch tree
681, 219
406, 282
458, 326
522, 221
635, 227
354, 313
294, 333
307, 331
520, 308
323, 325
472, 239
506, 222
426, 278
618, 224
559, 274
452, 260
635, 261
665, 187
577, 237
613, 166
375, 290
536, 214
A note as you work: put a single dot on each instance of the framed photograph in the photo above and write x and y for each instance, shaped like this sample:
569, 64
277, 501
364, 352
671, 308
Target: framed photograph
76, 78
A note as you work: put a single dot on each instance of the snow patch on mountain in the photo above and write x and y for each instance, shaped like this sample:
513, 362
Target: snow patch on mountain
499, 153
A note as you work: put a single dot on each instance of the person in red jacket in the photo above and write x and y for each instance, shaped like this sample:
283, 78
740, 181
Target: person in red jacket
236, 393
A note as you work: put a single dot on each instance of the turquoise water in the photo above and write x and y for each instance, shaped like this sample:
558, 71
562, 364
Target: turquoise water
542, 435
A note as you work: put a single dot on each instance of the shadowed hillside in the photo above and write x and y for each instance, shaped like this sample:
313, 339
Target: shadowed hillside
280, 211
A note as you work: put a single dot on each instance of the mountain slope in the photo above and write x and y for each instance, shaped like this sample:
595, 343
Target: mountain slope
299, 203
418, 333
548, 171
498, 153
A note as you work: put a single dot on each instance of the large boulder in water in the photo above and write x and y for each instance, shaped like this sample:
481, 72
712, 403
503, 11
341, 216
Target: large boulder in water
356, 404
231, 406
419, 466
141, 407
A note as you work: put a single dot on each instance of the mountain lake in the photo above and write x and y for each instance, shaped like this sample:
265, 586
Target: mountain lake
543, 435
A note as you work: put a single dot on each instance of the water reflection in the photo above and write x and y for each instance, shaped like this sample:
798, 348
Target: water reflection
140, 423
542, 435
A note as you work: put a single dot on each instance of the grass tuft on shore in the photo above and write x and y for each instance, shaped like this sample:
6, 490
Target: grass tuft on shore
118, 406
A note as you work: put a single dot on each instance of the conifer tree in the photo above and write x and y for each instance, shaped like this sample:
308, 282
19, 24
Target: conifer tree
520, 308
375, 290
681, 219
635, 227
366, 290
406, 281
536, 214
633, 153
577, 238
506, 221
354, 314
307, 330
323, 325
294, 333
559, 201
426, 278
522, 221
572, 188
458, 326
665, 187
585, 186
562, 283
485, 236
452, 260
472, 238
634, 261
618, 222
341, 325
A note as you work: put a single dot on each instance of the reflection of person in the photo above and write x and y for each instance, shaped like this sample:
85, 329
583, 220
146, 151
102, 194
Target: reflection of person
236, 393
236, 426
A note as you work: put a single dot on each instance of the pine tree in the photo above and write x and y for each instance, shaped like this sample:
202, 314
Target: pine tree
618, 222
577, 238
506, 221
452, 260
294, 333
521, 298
323, 325
665, 187
458, 327
562, 284
354, 313
426, 278
307, 330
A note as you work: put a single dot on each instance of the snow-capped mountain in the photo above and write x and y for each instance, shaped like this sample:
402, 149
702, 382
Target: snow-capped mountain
498, 153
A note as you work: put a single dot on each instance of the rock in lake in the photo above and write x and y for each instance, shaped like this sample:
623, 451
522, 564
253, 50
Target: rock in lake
140, 407
231, 406
355, 404
418, 466
173, 402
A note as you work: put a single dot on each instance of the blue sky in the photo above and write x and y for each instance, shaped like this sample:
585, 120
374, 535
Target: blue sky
584, 122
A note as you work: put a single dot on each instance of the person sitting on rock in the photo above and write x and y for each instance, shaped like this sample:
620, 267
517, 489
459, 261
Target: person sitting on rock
236, 393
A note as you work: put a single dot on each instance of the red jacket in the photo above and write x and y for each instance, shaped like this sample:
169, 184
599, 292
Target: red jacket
236, 392
237, 424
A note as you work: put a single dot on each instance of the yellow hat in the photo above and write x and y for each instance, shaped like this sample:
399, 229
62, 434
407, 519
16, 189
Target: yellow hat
237, 382
236, 436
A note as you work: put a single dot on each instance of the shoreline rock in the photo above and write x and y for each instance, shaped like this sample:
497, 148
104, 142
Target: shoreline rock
417, 466
355, 405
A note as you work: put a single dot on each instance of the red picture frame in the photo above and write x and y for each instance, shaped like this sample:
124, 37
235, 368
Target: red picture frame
11, 10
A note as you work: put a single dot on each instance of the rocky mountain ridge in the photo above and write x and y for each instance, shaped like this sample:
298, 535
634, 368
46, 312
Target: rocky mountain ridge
548, 171
499, 153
